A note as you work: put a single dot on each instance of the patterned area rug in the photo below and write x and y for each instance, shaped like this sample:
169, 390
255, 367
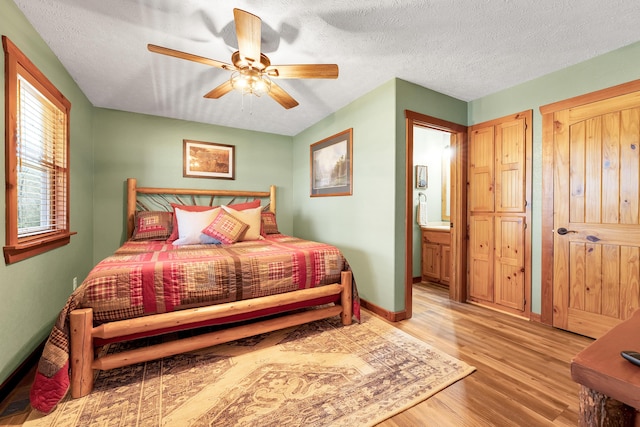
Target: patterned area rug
319, 374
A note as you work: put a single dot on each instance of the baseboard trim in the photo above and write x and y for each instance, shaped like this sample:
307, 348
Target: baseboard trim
21, 372
391, 316
535, 317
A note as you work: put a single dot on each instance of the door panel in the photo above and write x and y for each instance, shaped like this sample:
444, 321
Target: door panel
593, 166
510, 179
509, 269
431, 260
629, 281
481, 257
629, 167
596, 192
481, 165
445, 266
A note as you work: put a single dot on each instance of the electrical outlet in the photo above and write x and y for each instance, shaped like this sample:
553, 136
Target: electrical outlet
75, 283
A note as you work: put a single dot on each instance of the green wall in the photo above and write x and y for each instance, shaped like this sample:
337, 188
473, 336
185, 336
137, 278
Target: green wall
361, 225
34, 290
149, 148
369, 225
619, 66
416, 98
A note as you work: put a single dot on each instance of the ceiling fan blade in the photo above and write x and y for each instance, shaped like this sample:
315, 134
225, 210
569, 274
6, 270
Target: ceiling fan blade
303, 71
189, 57
282, 97
220, 90
248, 31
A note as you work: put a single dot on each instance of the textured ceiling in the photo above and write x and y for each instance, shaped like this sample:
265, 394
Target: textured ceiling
462, 48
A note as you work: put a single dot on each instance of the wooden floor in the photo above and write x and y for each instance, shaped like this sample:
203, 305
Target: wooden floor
522, 376
522, 373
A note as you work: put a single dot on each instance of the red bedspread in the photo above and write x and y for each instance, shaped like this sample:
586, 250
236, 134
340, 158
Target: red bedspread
143, 278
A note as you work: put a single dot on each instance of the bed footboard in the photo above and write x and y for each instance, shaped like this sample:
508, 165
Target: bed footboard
83, 333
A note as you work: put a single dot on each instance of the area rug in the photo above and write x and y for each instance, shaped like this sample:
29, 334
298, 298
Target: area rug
318, 374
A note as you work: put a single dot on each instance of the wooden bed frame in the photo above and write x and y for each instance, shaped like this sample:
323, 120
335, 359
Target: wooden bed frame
83, 361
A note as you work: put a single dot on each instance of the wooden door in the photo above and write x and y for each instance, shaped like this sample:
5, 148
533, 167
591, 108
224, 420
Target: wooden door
596, 241
499, 190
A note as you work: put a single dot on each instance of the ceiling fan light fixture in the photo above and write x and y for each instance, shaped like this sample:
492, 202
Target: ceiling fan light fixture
250, 81
252, 70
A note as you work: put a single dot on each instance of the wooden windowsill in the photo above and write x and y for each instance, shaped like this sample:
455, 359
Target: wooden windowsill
21, 251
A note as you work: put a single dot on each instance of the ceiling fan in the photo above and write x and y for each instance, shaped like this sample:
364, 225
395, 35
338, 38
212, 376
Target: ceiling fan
252, 71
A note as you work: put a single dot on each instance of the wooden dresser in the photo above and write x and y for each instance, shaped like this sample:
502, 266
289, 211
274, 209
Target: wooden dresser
436, 254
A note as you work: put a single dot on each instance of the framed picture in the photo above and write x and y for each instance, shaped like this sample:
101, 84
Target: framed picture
332, 165
208, 160
422, 176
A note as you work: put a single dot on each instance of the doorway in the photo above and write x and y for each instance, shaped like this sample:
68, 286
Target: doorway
457, 206
432, 203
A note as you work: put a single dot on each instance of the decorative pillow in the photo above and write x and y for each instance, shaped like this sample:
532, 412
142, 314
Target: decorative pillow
152, 225
269, 224
251, 217
195, 208
226, 228
190, 225
175, 233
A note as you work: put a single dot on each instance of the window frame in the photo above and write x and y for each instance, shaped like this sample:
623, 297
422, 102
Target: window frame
20, 248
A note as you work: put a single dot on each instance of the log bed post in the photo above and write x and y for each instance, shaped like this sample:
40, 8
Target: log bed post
132, 202
346, 297
272, 199
81, 328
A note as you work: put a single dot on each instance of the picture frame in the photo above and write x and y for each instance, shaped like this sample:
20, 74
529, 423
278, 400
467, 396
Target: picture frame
331, 163
208, 160
422, 177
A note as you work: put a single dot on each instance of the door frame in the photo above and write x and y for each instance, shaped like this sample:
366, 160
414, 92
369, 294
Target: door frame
458, 214
547, 112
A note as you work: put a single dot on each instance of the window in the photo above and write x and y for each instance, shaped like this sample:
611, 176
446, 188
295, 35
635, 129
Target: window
37, 159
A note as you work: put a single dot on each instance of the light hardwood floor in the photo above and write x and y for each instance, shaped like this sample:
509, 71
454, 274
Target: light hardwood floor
522, 376
522, 373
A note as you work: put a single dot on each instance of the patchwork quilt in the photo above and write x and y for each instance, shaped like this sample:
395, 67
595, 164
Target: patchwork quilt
150, 277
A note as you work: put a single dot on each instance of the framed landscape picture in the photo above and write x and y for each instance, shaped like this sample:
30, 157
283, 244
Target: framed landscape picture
332, 165
208, 160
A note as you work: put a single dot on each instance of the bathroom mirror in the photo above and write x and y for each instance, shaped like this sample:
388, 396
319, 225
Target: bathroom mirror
446, 183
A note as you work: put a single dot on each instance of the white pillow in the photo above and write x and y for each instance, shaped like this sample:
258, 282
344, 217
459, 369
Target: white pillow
251, 217
191, 224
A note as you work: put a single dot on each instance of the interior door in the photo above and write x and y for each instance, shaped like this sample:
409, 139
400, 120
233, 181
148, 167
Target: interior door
596, 267
499, 190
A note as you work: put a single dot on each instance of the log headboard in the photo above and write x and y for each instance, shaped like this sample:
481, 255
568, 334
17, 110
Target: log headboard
161, 198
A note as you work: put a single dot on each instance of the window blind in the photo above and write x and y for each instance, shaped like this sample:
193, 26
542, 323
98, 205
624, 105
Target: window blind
41, 162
